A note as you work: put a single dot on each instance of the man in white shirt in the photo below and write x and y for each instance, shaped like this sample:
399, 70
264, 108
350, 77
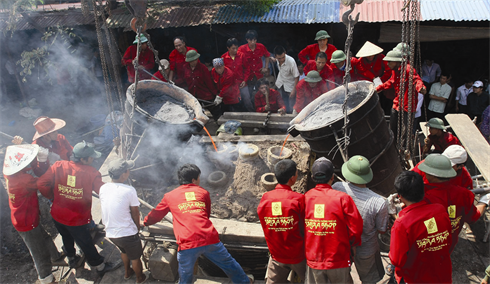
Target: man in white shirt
439, 94
461, 95
120, 214
430, 72
287, 78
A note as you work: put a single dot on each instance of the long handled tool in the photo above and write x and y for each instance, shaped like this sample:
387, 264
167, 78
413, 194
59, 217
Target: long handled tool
10, 136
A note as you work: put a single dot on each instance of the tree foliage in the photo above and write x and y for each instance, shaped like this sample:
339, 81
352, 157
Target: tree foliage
39, 57
15, 7
257, 7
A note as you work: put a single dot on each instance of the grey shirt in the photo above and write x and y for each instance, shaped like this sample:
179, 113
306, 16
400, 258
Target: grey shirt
374, 212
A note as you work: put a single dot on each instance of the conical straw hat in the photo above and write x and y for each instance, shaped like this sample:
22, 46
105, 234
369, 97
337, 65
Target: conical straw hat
18, 157
369, 49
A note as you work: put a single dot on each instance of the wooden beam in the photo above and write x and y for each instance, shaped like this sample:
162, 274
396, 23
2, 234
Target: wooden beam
475, 144
252, 139
257, 123
257, 116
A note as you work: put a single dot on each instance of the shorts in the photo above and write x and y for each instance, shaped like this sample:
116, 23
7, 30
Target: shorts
130, 245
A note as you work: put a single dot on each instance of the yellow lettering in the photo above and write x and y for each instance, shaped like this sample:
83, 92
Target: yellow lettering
190, 205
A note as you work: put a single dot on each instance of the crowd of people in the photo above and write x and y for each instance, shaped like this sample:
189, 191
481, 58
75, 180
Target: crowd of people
317, 235
245, 78
432, 203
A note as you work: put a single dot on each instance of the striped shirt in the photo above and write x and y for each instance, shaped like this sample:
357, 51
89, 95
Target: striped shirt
374, 212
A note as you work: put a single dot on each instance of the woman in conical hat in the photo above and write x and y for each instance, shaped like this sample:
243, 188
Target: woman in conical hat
370, 64
24, 208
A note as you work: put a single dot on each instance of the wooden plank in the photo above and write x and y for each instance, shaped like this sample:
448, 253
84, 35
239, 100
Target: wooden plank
257, 123
230, 231
257, 116
475, 144
252, 138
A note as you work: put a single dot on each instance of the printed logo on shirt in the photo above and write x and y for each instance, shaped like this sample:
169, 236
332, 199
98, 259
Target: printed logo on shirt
190, 196
71, 180
433, 242
451, 210
279, 224
192, 207
431, 225
70, 192
319, 211
276, 209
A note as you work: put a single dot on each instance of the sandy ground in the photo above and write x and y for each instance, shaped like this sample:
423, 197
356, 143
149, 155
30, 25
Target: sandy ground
469, 259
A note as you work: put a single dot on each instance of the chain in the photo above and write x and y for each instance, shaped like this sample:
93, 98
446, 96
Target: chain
412, 92
157, 60
401, 94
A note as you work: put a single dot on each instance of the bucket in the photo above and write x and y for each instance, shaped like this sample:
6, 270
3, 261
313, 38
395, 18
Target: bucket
369, 133
164, 115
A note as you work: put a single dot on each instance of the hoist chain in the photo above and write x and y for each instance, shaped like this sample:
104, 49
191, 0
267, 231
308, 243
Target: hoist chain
157, 60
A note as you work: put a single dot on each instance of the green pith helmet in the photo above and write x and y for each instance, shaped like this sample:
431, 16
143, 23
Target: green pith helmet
436, 123
322, 35
313, 77
403, 48
394, 55
143, 39
357, 170
85, 150
437, 165
338, 56
191, 55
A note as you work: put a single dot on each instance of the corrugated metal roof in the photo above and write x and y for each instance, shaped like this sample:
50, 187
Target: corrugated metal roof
456, 10
373, 11
44, 20
287, 11
169, 17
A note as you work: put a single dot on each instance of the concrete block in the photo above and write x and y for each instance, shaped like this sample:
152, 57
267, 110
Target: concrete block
163, 264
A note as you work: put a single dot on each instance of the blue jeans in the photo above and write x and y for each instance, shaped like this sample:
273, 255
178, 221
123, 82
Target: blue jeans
218, 254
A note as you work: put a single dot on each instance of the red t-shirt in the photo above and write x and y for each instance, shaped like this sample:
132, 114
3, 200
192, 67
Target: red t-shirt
146, 59
394, 81
369, 70
252, 60
326, 72
420, 242
227, 86
24, 206
310, 52
235, 65
282, 215
275, 101
442, 142
463, 178
332, 225
199, 82
177, 61
159, 75
459, 203
306, 94
70, 186
190, 206
60, 146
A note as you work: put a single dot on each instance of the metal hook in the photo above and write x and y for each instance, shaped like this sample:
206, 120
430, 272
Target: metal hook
347, 18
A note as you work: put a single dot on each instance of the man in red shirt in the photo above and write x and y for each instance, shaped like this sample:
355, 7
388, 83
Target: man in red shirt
371, 65
177, 61
200, 84
234, 60
146, 59
338, 65
268, 100
227, 86
190, 205
69, 184
420, 237
282, 213
252, 54
438, 137
458, 200
457, 155
159, 74
24, 208
308, 89
320, 65
310, 52
333, 228
394, 59
47, 137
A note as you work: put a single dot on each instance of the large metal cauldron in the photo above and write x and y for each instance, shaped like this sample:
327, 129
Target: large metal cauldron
369, 133
155, 140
